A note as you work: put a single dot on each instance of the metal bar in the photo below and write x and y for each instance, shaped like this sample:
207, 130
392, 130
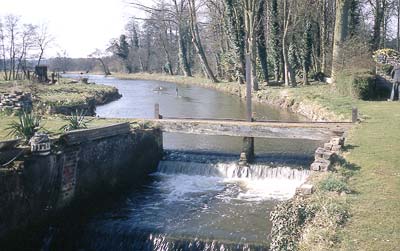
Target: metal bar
249, 114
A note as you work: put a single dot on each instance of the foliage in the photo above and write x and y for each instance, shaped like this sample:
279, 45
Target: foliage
386, 56
359, 85
287, 218
311, 222
26, 127
333, 184
387, 69
76, 121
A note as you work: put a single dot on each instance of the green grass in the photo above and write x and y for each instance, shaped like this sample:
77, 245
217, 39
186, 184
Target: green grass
60, 94
327, 97
375, 205
52, 124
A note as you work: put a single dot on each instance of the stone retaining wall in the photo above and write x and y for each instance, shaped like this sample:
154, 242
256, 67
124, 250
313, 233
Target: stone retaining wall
38, 186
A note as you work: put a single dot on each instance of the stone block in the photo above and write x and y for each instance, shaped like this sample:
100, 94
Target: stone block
315, 166
305, 189
336, 148
319, 153
328, 146
328, 155
322, 165
338, 141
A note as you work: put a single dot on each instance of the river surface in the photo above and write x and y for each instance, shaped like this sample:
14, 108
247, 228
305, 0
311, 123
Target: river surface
199, 199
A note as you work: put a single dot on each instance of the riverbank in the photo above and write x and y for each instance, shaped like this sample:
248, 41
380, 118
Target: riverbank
316, 102
64, 97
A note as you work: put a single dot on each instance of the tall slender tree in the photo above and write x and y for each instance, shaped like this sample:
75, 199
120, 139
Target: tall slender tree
341, 31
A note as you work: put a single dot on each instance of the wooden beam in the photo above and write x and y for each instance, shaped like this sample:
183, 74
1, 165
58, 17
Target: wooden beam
84, 135
301, 130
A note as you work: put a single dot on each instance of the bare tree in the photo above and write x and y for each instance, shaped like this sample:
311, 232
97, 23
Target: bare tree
98, 54
196, 40
44, 40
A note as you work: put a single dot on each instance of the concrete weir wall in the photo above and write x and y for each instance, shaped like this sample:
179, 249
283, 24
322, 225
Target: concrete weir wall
82, 164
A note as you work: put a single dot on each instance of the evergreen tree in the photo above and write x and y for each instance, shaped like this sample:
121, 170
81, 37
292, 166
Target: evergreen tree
274, 38
306, 51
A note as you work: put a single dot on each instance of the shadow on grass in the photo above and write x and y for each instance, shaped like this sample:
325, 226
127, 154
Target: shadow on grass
347, 148
347, 165
347, 170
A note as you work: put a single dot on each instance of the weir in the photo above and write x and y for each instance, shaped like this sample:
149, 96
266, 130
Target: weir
250, 129
196, 201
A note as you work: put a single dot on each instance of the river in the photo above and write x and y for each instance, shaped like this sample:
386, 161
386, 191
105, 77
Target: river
199, 199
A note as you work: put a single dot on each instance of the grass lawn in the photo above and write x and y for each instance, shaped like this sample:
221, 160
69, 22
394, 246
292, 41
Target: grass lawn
64, 93
52, 124
375, 205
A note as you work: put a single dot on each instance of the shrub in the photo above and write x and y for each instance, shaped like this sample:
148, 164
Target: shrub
360, 85
334, 184
26, 127
387, 69
76, 121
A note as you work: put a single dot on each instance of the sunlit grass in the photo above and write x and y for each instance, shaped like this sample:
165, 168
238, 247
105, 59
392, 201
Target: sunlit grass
375, 205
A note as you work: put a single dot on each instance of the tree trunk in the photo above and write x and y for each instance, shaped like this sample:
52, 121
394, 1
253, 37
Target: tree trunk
274, 38
183, 54
105, 68
341, 28
376, 35
398, 25
237, 37
323, 31
196, 40
261, 43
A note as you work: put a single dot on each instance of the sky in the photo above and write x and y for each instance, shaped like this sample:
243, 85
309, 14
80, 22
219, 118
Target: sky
79, 26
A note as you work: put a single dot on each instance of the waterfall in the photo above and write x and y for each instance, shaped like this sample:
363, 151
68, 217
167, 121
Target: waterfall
232, 170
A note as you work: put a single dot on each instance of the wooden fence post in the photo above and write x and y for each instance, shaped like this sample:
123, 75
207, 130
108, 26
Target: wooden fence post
354, 115
157, 111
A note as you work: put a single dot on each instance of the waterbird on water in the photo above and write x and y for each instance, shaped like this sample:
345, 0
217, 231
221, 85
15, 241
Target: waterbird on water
159, 88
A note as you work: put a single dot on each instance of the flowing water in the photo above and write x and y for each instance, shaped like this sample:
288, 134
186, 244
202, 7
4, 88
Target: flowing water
200, 198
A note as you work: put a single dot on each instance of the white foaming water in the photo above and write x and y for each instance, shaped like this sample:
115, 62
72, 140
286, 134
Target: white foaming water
184, 181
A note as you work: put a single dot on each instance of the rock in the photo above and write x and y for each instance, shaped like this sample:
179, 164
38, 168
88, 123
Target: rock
305, 189
336, 148
319, 153
315, 166
328, 146
328, 155
337, 141
322, 165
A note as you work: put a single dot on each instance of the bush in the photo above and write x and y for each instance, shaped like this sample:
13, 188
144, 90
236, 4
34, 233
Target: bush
334, 184
76, 121
359, 85
26, 127
387, 69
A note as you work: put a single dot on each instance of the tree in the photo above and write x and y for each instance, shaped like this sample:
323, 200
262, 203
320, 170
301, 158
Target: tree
307, 44
250, 20
44, 40
98, 54
275, 39
120, 48
341, 29
234, 19
261, 40
183, 33
196, 40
